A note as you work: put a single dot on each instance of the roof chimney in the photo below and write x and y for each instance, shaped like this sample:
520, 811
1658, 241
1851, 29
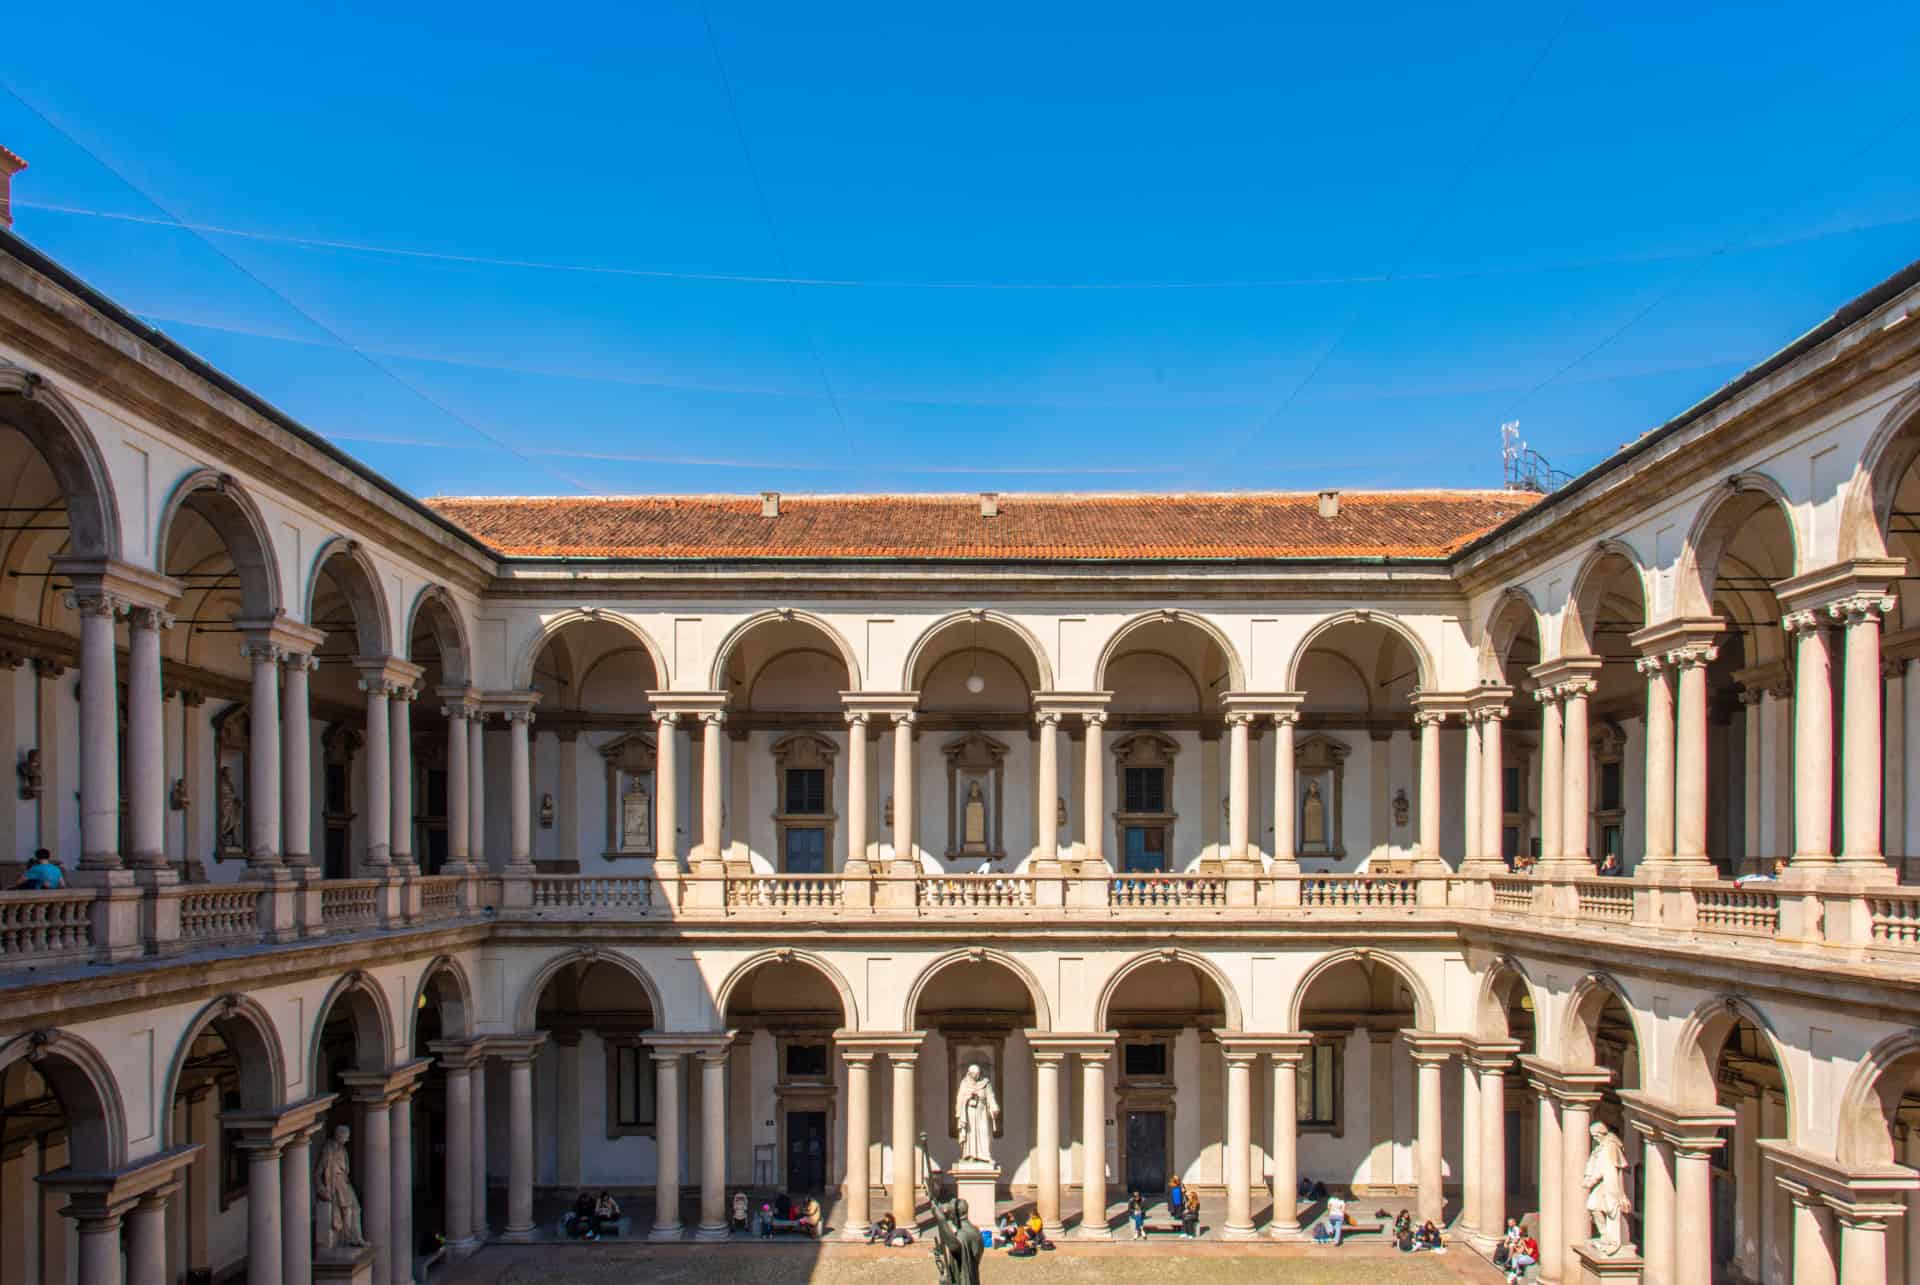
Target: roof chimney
769, 504
10, 164
1329, 504
989, 504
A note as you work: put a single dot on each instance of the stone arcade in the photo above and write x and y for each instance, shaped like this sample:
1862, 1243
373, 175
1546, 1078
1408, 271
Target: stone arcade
686, 846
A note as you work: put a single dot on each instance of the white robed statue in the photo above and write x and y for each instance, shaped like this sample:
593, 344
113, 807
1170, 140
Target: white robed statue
1606, 1183
976, 1112
338, 1225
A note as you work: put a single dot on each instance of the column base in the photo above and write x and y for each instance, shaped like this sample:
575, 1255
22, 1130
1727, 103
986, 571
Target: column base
1102, 1232
675, 1232
1054, 1231
721, 1232
1231, 1232
469, 1245
852, 1232
517, 1235
1286, 1231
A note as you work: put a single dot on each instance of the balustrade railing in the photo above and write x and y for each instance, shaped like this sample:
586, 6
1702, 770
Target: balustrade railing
977, 892
1166, 891
1513, 896
439, 896
1358, 892
45, 927
784, 892
1745, 912
349, 903
1895, 917
1607, 900
591, 893
214, 913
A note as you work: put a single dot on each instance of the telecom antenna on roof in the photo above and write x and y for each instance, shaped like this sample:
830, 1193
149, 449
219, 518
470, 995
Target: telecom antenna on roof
1523, 468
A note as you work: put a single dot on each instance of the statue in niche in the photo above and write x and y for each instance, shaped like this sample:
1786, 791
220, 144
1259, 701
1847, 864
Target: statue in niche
229, 840
1606, 1185
1313, 817
29, 771
973, 819
976, 1111
340, 1226
636, 820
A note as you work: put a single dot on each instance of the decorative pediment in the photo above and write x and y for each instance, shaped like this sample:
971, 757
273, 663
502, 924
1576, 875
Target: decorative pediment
1145, 749
633, 752
975, 750
1319, 752
804, 750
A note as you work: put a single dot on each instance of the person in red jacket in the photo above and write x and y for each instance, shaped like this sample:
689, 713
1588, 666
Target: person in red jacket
1524, 1255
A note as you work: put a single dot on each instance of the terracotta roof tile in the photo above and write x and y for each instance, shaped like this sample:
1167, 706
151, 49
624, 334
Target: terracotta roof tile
1403, 524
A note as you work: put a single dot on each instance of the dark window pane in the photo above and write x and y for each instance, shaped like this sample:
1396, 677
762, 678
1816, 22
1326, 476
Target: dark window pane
633, 1096
806, 790
1146, 789
1509, 789
806, 852
1146, 1061
1610, 787
807, 1061
1146, 848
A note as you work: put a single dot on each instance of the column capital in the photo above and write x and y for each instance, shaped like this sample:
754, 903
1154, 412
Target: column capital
879, 705
1826, 586
104, 580
107, 1194
1802, 622
1425, 718
458, 702
1841, 1187
1429, 1049
152, 618
384, 1088
895, 1044
1051, 718
1239, 718
514, 706
1564, 670
282, 1125
1662, 639
1696, 655
1570, 1087
1432, 707
1859, 608
517, 1047
386, 675
289, 636
1488, 702
1489, 1055
459, 1055
696, 1043
1263, 704
857, 717
1072, 703
1288, 1047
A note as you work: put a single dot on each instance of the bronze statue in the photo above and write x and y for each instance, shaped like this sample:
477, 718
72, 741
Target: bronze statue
956, 1241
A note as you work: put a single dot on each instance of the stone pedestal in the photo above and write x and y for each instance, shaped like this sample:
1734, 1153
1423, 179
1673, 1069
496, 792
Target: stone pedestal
343, 1266
978, 1185
1621, 1269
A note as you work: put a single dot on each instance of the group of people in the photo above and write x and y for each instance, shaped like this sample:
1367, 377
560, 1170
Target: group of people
1407, 1238
1516, 1252
1183, 1207
1023, 1239
590, 1215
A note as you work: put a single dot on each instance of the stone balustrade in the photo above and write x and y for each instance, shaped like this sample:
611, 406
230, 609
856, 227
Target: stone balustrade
40, 928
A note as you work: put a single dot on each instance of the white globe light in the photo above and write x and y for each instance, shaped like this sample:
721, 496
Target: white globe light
976, 684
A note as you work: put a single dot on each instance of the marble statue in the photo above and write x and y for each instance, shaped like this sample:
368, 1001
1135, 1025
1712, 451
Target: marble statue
340, 1228
229, 813
977, 1112
1606, 1185
1313, 816
973, 829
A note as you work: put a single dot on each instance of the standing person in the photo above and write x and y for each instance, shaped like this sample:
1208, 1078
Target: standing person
1137, 1215
1176, 1201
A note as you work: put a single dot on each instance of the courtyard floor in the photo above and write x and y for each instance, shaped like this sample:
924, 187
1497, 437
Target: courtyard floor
751, 1264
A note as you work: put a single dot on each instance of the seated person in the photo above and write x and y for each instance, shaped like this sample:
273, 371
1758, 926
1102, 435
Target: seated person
783, 1207
1022, 1243
1403, 1232
606, 1211
1003, 1229
901, 1236
1037, 1232
43, 874
739, 1211
1190, 1215
1779, 868
880, 1230
1428, 1236
578, 1221
808, 1217
1525, 1254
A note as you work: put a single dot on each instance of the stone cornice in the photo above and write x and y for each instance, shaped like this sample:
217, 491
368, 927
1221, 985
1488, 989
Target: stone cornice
136, 586
1263, 702
1677, 635
282, 1123
887, 704
1824, 586
114, 1191
1058, 702
1860, 1190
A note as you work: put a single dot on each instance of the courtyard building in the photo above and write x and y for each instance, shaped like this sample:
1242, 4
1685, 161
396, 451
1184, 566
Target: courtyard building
692, 845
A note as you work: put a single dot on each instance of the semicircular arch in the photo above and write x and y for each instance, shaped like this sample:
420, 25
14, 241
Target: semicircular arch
1043, 665
1871, 1101
56, 429
251, 1037
373, 630
552, 626
460, 1007
1583, 603
1229, 997
1703, 1037
1867, 507
1236, 670
1042, 1009
717, 678
237, 520
1580, 1020
1706, 544
84, 1083
1425, 1016
849, 1008
443, 616
1504, 626
526, 1011
372, 1021
1423, 659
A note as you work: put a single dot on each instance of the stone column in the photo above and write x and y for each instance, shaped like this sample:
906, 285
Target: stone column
1693, 1210
1812, 742
1284, 842
1552, 760
459, 860
1658, 850
147, 1240
375, 1177
459, 1172
477, 790
1863, 1246
99, 782
1470, 793
1471, 1174
1690, 757
1046, 815
1552, 1166
1493, 794
519, 791
477, 1141
1238, 779
1491, 1145
1093, 1144
378, 755
1745, 1163
712, 841
1752, 852
1893, 775
1910, 793
520, 1142
266, 1251
99, 1248
1429, 722
1576, 1119
1239, 1159
856, 863
666, 1171
296, 762
400, 1130
1094, 827
567, 1098
567, 823
1860, 755
1046, 1139
905, 1161
1656, 1219
666, 792
1813, 1238
400, 743
296, 1210
1428, 1135
146, 742
903, 806
1575, 807
1286, 1139
263, 758
713, 1143
859, 1215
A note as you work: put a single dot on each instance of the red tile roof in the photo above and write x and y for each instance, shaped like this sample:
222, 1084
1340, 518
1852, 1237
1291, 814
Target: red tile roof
1402, 524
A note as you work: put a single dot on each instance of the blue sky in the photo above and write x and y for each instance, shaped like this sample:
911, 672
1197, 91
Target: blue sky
677, 248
